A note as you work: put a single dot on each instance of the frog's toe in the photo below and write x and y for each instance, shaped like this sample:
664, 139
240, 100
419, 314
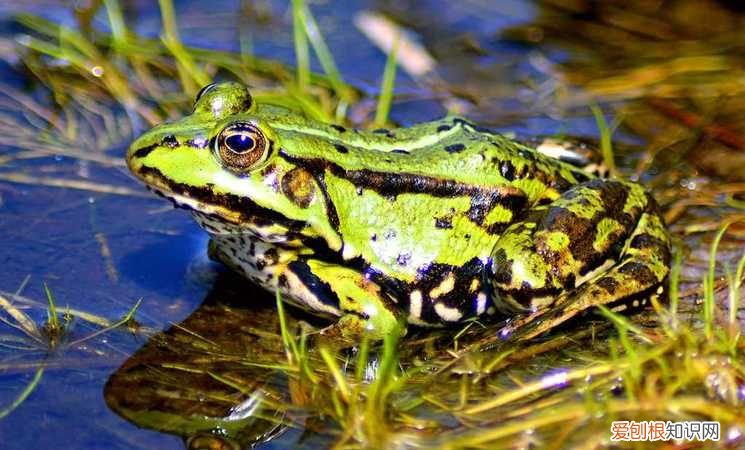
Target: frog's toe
352, 328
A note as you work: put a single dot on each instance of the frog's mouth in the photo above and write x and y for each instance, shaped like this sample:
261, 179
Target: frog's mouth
229, 208
184, 196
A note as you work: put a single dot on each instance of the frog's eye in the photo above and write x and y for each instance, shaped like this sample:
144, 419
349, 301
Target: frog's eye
242, 146
204, 90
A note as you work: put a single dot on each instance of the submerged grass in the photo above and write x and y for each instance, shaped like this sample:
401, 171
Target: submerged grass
24, 393
45, 342
437, 388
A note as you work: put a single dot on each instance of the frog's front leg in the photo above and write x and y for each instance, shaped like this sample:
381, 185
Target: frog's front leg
363, 308
600, 243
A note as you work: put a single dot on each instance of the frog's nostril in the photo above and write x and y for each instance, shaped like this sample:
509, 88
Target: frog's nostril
170, 141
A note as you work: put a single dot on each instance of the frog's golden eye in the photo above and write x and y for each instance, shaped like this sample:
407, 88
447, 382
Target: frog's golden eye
204, 90
242, 146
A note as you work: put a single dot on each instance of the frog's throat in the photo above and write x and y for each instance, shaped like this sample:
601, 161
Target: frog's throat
229, 208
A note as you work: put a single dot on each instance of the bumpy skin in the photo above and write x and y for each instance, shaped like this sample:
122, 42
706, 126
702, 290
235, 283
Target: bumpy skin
432, 224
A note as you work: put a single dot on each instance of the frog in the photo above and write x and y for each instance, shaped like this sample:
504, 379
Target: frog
431, 225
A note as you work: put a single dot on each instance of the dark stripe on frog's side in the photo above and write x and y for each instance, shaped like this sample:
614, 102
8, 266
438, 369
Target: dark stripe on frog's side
248, 210
430, 277
528, 169
390, 185
461, 297
331, 213
319, 288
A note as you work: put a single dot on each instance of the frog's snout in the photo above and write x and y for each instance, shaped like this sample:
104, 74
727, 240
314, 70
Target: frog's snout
138, 150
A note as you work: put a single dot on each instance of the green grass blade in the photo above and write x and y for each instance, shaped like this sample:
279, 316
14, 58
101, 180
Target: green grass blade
734, 299
709, 282
302, 51
606, 146
168, 16
123, 321
336, 373
291, 348
362, 354
24, 394
116, 22
325, 57
383, 382
623, 324
52, 319
386, 88
674, 291
191, 76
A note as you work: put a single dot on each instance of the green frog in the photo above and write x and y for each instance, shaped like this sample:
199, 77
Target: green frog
431, 225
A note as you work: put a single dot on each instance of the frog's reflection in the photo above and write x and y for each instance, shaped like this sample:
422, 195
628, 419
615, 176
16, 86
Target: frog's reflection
209, 379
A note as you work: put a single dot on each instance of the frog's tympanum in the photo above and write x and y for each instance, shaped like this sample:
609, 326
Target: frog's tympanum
433, 224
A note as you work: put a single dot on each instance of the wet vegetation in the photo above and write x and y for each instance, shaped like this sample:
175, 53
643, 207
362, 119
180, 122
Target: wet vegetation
660, 83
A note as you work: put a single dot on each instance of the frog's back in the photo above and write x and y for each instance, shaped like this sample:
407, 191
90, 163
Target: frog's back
449, 156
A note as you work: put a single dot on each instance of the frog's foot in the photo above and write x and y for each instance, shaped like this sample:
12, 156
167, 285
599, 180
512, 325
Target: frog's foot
601, 243
576, 151
351, 329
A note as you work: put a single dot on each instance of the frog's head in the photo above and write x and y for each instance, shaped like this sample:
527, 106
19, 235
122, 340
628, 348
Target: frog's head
223, 161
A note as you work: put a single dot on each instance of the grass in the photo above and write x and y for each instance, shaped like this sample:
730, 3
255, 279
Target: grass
606, 146
50, 339
387, 87
672, 372
24, 393
446, 389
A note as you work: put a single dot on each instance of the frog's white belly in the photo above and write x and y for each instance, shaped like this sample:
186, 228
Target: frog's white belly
264, 263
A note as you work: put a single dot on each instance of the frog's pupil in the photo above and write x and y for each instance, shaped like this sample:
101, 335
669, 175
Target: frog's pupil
240, 143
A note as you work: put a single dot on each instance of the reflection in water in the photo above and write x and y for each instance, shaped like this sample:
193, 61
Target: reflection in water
210, 379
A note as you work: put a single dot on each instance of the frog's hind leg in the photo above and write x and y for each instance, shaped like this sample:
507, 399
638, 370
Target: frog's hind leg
636, 278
